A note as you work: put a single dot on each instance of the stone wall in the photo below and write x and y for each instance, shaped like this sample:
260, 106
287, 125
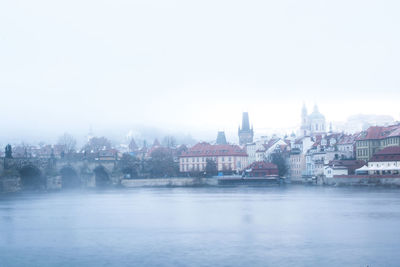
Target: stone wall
343, 180
9, 184
178, 182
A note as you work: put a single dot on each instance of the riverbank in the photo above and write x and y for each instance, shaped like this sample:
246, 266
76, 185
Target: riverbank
163, 182
10, 185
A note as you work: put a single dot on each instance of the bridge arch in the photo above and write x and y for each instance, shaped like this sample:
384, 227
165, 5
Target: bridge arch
31, 177
102, 177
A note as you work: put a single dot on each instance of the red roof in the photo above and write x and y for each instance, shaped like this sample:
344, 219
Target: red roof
391, 153
207, 150
262, 165
380, 132
348, 139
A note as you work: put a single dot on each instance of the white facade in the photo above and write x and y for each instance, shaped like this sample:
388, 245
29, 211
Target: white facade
381, 167
191, 164
330, 171
312, 124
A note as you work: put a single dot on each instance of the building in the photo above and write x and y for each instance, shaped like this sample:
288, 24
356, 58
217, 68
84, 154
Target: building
227, 158
331, 171
262, 169
384, 162
264, 152
245, 133
376, 138
297, 157
347, 146
252, 148
312, 124
296, 164
342, 167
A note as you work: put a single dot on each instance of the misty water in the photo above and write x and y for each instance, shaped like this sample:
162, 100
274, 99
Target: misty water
273, 226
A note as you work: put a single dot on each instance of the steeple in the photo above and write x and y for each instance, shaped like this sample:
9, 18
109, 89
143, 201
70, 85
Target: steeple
221, 139
304, 121
245, 133
245, 121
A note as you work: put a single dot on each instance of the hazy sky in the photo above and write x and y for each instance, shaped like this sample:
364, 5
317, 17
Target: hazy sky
193, 65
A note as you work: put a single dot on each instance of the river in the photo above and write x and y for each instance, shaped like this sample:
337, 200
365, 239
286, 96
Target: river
234, 226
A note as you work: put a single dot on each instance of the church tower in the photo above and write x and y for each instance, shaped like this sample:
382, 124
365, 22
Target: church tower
245, 133
304, 121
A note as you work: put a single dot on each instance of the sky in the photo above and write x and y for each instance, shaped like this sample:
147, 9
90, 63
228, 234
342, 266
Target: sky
192, 66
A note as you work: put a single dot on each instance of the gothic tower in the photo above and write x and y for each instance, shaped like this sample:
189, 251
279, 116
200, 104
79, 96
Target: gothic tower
245, 133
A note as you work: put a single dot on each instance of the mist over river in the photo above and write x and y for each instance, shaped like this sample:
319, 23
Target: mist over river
234, 226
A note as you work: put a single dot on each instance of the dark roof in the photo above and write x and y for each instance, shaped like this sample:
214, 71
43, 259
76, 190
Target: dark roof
347, 162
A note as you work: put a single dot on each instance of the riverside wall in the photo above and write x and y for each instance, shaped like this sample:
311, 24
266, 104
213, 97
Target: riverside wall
344, 180
175, 182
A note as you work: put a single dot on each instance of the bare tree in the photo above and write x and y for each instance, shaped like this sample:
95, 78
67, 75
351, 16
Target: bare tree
68, 142
97, 144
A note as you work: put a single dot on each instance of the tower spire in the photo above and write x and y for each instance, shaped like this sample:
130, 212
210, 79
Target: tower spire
245, 133
245, 121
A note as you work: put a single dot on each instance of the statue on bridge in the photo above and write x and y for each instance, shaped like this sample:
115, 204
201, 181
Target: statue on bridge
8, 152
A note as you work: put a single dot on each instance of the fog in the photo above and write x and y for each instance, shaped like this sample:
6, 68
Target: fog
192, 67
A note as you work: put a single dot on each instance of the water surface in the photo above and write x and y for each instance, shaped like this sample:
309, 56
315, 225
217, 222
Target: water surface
273, 226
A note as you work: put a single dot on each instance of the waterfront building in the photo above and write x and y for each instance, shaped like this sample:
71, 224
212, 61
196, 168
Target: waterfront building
376, 138
296, 164
319, 151
336, 167
245, 133
297, 157
332, 170
228, 158
384, 162
262, 169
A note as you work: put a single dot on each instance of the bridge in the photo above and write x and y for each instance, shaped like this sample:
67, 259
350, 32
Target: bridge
54, 173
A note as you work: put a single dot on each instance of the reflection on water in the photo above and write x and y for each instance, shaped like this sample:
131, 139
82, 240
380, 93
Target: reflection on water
275, 226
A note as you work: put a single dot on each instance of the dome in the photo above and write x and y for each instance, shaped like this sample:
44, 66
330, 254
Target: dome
316, 116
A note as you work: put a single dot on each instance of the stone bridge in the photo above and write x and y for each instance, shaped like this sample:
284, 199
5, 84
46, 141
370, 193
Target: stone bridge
60, 172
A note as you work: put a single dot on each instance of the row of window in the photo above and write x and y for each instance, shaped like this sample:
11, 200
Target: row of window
362, 152
377, 164
197, 159
388, 141
202, 167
